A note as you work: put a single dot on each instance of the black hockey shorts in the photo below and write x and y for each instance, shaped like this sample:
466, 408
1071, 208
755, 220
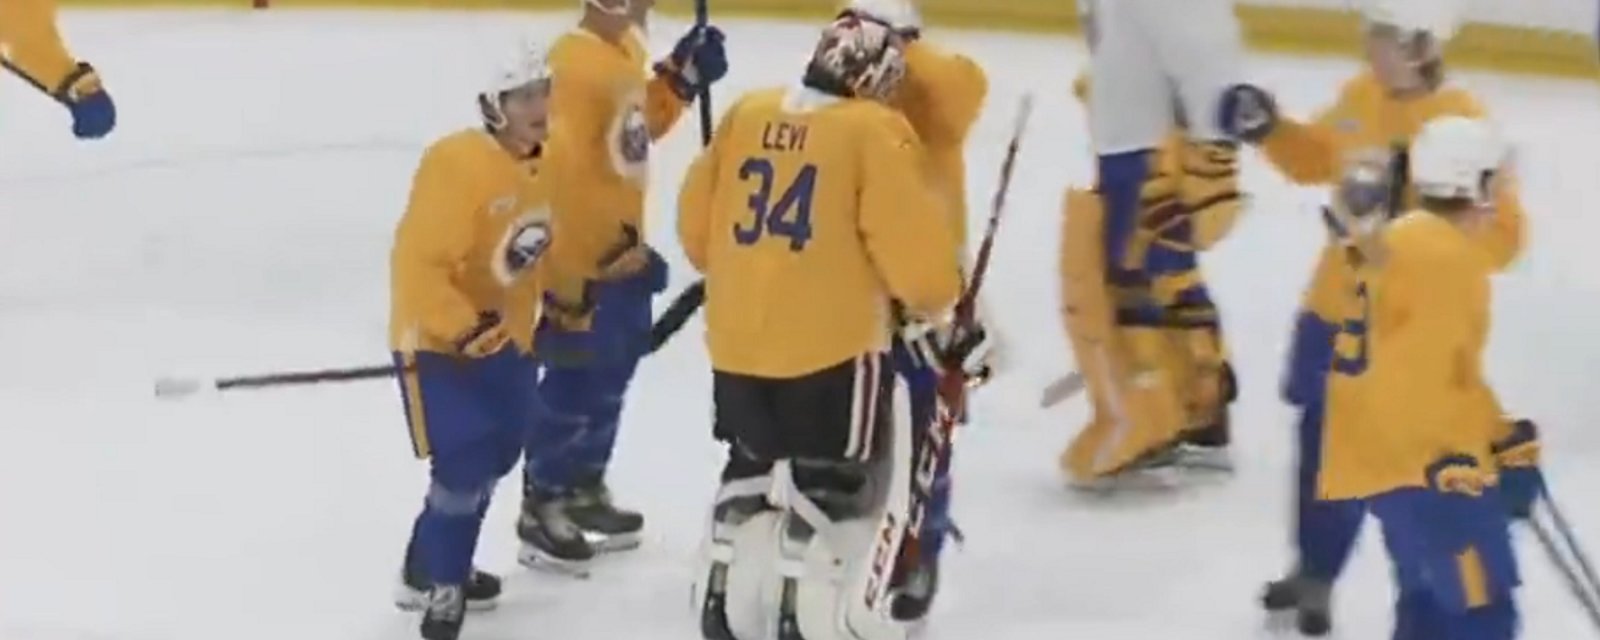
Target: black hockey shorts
841, 414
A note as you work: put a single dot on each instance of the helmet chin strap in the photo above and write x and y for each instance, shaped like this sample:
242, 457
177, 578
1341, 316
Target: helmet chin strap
619, 11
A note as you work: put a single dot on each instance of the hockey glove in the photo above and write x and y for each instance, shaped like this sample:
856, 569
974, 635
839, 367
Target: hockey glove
1247, 112
93, 112
563, 336
1521, 481
484, 339
952, 346
696, 62
1458, 473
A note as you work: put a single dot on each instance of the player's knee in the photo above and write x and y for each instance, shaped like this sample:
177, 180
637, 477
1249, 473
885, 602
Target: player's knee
456, 501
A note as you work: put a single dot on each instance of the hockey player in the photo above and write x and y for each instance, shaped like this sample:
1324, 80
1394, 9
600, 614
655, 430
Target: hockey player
1350, 142
467, 279
810, 215
1156, 370
1157, 52
942, 96
1411, 427
612, 109
31, 47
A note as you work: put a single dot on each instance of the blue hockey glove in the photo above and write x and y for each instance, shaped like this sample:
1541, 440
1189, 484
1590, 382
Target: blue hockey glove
696, 62
1247, 112
93, 112
1521, 480
560, 342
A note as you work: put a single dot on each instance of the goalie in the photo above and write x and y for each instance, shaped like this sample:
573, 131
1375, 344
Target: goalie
808, 214
1155, 364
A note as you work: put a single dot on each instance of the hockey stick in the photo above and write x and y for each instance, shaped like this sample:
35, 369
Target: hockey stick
950, 388
27, 78
702, 17
689, 300
1063, 389
1565, 529
178, 388
1587, 599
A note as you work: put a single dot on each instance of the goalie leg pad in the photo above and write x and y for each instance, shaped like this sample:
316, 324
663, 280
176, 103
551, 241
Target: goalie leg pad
1137, 401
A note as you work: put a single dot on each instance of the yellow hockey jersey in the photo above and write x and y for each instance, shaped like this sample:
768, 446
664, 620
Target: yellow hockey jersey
606, 110
1362, 126
942, 96
1414, 393
470, 242
808, 213
31, 44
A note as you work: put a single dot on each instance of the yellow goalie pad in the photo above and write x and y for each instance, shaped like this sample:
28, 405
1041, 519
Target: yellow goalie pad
1147, 385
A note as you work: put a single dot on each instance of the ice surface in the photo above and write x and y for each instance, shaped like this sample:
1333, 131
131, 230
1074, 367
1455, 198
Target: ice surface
238, 221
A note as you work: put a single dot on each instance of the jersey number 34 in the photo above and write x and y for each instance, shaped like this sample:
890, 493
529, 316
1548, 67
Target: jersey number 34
788, 217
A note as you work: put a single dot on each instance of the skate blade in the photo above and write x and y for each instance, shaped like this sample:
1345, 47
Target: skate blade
535, 558
613, 543
415, 601
1203, 460
1136, 481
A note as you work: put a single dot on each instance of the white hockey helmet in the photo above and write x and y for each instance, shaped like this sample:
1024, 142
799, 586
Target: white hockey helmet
861, 56
1455, 156
1437, 18
529, 65
900, 15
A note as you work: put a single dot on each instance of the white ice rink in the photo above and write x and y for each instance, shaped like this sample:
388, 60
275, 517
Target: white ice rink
239, 219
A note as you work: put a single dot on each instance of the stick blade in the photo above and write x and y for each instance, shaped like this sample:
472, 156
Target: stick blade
177, 388
1063, 389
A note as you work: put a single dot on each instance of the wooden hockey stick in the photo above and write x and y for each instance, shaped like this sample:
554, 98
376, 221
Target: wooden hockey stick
179, 388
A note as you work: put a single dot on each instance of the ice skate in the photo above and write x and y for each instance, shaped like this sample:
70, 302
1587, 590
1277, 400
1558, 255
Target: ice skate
446, 609
482, 591
1309, 599
550, 539
606, 527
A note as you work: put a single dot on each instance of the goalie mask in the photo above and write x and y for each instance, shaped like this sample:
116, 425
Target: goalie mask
857, 58
901, 16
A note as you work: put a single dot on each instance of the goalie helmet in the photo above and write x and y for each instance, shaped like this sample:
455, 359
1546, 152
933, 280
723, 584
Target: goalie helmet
858, 58
900, 15
528, 66
1454, 157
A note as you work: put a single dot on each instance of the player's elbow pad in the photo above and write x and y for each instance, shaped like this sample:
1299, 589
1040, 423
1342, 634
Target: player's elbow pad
1310, 356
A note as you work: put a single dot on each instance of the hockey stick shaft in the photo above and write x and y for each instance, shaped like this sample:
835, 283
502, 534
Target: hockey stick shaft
27, 78
688, 301
170, 387
951, 385
966, 308
1587, 598
1585, 565
702, 17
